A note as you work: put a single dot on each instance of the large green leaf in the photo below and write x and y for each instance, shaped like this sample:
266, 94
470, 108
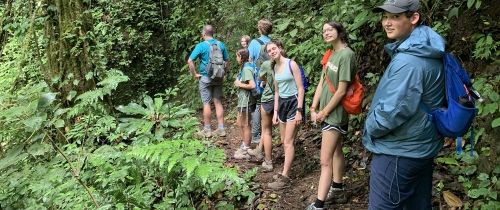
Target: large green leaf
46, 99
495, 123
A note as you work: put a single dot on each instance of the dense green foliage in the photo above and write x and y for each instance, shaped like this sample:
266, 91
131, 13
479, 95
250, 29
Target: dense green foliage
96, 100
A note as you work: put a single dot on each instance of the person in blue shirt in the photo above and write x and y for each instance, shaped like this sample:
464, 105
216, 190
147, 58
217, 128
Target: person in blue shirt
398, 131
265, 27
208, 89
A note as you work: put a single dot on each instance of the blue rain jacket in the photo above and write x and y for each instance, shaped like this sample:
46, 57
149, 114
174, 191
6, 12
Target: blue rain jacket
397, 123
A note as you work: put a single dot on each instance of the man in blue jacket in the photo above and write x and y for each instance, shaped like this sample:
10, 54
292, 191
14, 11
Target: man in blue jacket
208, 89
398, 131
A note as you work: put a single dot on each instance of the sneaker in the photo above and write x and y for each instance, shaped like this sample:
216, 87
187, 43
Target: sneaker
267, 166
279, 183
203, 134
220, 132
336, 195
312, 207
241, 154
255, 139
257, 153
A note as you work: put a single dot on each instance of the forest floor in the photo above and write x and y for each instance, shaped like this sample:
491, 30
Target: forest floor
305, 171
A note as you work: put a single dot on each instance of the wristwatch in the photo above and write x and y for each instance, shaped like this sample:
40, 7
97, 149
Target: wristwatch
300, 110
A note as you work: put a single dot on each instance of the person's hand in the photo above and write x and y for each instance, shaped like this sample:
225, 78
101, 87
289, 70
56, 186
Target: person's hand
321, 116
298, 118
197, 76
314, 116
275, 118
237, 83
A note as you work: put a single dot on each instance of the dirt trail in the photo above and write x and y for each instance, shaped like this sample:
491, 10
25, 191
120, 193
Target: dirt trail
305, 171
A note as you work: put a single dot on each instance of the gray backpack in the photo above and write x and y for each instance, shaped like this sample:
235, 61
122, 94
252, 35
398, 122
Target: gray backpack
263, 56
215, 66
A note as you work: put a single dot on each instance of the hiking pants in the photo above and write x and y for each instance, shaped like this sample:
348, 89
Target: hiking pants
256, 127
400, 183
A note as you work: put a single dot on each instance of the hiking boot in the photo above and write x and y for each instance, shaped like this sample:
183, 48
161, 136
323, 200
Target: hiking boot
241, 154
267, 166
280, 182
257, 153
203, 134
312, 207
336, 195
220, 132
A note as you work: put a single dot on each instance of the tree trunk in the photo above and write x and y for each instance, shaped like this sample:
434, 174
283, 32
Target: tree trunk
68, 47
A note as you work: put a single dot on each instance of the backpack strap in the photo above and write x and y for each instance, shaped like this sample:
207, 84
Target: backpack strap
260, 41
290, 66
210, 50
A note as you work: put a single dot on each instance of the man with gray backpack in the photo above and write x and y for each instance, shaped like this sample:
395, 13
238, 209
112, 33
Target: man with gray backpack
258, 55
214, 61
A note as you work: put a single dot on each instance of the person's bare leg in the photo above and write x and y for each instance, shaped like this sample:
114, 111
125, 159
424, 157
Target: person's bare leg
219, 111
289, 147
329, 144
267, 129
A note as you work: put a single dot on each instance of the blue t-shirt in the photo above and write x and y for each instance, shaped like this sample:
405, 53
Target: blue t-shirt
202, 51
254, 47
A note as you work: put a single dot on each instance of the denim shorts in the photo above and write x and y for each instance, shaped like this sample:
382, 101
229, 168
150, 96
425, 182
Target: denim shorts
209, 90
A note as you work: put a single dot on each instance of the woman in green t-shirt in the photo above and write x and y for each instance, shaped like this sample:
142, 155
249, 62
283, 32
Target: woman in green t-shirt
338, 71
246, 102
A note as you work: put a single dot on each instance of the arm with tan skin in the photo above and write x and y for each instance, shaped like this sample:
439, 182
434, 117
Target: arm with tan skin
315, 102
300, 90
192, 69
334, 102
249, 86
276, 105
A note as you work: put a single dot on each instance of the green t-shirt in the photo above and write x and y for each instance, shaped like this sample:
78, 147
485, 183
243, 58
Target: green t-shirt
267, 73
245, 98
340, 67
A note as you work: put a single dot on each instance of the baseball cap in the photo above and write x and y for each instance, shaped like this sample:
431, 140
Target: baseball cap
398, 6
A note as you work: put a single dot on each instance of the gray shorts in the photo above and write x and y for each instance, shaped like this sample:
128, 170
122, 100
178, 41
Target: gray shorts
209, 90
268, 107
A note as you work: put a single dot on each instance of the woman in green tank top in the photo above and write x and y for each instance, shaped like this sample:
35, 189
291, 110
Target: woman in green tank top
288, 107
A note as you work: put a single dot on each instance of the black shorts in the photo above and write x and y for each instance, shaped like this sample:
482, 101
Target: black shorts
287, 108
268, 107
341, 129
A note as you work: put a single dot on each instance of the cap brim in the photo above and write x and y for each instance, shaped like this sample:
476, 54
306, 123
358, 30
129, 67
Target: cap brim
388, 8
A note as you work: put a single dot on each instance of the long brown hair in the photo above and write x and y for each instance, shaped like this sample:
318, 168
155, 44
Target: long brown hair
244, 55
279, 44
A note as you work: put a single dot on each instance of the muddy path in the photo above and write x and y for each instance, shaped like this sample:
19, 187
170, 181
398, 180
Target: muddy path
305, 171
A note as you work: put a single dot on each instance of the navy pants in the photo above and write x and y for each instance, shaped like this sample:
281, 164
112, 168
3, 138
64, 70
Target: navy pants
400, 183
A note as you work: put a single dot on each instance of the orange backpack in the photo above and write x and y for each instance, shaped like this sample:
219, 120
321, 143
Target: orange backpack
353, 99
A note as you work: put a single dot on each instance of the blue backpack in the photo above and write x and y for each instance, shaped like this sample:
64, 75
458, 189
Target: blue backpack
305, 81
455, 119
